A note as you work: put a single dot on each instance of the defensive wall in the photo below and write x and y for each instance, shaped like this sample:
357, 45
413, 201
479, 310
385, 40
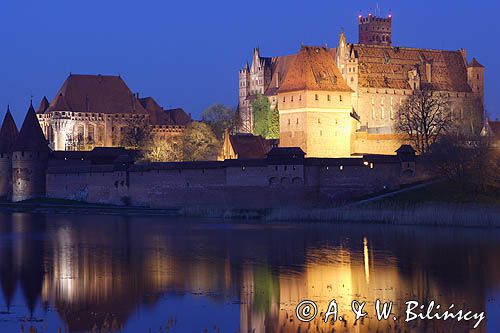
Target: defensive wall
284, 178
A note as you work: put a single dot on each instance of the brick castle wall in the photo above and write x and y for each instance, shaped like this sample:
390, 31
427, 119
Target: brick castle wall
239, 184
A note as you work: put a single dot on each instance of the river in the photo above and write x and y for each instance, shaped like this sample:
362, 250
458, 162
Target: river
154, 274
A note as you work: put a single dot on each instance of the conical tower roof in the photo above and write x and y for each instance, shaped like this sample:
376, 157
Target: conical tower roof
44, 105
475, 63
8, 133
31, 137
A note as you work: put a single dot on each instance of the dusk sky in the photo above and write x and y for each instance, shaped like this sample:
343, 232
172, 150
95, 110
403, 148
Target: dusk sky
187, 53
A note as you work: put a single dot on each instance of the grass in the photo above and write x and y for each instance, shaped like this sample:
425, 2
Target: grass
439, 204
445, 192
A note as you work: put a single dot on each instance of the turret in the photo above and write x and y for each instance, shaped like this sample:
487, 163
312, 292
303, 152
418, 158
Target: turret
8, 136
29, 160
475, 78
375, 30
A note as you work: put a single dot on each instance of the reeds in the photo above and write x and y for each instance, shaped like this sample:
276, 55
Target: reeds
428, 213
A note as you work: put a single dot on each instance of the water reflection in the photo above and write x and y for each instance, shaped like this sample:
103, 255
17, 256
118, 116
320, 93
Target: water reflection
90, 273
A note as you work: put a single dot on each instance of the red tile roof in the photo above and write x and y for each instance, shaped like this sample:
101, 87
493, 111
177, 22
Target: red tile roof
249, 146
280, 66
388, 67
95, 93
8, 133
44, 105
31, 137
313, 69
159, 116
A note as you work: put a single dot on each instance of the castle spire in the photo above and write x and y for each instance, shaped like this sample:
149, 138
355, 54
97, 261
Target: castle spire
31, 137
8, 133
44, 105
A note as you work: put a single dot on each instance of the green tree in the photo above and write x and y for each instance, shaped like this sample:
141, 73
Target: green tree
164, 150
220, 118
274, 124
261, 112
199, 143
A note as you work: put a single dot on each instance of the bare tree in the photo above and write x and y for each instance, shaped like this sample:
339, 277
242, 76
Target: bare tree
137, 134
423, 117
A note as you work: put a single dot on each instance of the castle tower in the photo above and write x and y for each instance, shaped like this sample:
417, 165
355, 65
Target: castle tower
29, 160
8, 136
475, 78
244, 108
314, 104
375, 30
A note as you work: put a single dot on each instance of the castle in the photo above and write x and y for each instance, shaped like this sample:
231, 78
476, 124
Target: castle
338, 102
30, 169
94, 110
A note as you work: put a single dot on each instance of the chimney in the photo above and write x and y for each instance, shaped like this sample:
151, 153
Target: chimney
428, 71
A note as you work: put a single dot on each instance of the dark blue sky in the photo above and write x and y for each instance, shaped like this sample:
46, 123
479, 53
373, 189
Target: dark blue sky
187, 53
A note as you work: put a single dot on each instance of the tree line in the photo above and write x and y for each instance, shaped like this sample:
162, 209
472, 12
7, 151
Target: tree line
201, 140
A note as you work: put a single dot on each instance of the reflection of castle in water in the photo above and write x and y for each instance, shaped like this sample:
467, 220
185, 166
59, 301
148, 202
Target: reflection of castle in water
96, 273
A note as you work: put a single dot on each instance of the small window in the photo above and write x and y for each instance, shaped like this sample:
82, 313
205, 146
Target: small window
284, 99
340, 98
328, 98
316, 97
288, 121
297, 121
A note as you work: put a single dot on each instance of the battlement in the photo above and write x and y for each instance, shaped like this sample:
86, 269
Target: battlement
371, 18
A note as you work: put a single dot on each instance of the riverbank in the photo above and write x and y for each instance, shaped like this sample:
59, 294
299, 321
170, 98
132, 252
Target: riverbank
435, 204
